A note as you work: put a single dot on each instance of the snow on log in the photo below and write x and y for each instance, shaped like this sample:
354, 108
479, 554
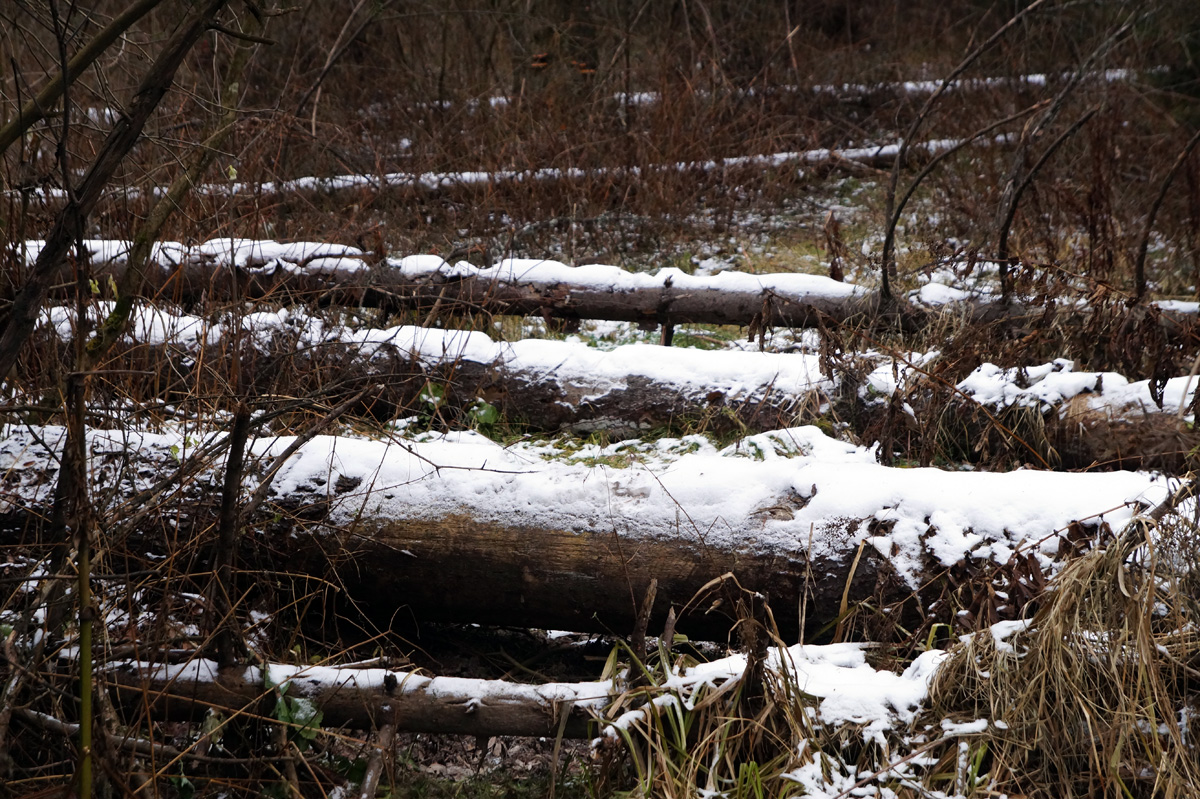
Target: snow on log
456, 527
343, 275
335, 274
878, 156
534, 384
363, 698
843, 687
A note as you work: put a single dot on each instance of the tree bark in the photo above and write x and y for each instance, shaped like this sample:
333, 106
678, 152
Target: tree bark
460, 568
700, 301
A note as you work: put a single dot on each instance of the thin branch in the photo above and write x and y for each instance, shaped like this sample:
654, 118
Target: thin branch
37, 108
889, 239
71, 221
1139, 268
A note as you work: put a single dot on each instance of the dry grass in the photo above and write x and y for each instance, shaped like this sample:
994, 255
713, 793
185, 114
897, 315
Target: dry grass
1097, 694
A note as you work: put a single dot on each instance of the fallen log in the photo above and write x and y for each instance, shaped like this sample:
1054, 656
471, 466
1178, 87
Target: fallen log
461, 529
531, 385
372, 698
362, 699
880, 156
340, 275
305, 272
346, 277
537, 385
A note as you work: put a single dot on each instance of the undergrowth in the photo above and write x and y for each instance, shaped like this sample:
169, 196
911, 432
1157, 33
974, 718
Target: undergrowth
1088, 691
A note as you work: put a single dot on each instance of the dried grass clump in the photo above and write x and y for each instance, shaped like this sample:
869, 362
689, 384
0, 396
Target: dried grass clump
1095, 697
735, 737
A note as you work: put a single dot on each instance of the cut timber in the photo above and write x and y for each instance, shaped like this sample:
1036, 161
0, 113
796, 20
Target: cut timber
362, 699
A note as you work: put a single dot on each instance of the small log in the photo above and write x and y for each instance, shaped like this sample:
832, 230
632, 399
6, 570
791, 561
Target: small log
362, 698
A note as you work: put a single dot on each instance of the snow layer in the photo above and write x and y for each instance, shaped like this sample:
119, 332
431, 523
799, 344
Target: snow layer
314, 258
437, 180
793, 491
848, 689
1050, 384
312, 681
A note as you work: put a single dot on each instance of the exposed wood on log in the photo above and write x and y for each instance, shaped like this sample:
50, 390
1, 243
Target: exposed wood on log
460, 568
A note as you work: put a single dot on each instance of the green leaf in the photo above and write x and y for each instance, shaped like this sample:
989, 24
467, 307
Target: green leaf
283, 710
433, 395
307, 718
483, 414
184, 786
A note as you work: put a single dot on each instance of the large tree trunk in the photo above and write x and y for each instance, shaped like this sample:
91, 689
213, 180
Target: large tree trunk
465, 530
459, 568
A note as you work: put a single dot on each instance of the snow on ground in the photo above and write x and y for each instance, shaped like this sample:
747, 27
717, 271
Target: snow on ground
831, 491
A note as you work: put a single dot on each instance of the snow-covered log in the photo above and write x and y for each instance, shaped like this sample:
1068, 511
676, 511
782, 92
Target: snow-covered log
842, 686
460, 528
334, 274
361, 698
534, 384
303, 272
878, 156
307, 272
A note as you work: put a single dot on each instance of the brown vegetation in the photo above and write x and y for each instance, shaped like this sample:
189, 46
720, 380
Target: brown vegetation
111, 114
